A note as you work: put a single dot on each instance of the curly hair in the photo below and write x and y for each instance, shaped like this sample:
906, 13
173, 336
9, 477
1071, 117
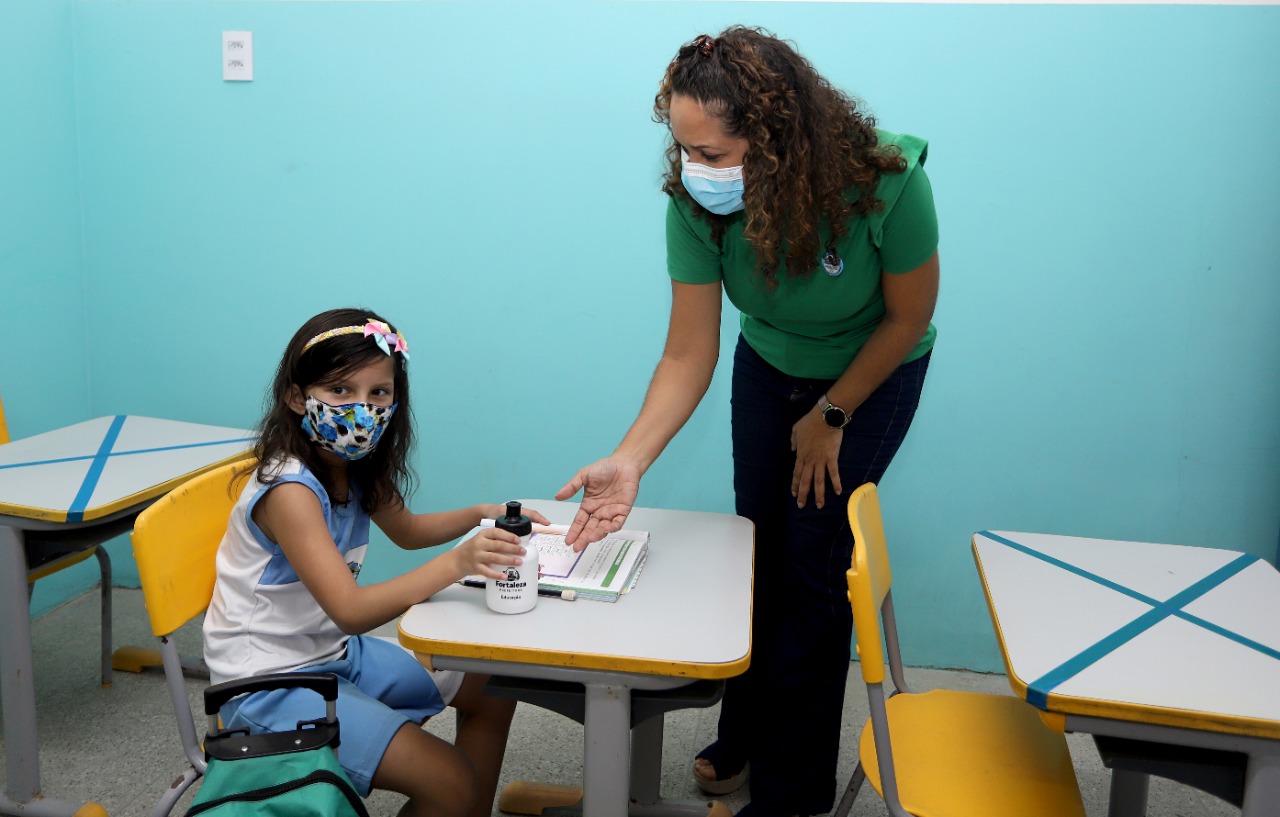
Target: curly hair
812, 153
384, 476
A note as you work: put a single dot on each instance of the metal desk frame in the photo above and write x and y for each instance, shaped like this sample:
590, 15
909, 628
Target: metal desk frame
89, 474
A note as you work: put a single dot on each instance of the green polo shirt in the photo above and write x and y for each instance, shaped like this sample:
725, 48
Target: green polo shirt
813, 325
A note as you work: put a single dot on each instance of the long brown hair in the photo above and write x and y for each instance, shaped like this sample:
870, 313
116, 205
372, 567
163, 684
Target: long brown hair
812, 157
384, 475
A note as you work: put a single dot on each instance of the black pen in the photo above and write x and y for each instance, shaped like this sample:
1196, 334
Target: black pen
567, 595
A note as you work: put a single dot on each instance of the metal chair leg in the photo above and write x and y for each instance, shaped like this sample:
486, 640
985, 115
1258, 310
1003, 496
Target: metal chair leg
104, 565
850, 793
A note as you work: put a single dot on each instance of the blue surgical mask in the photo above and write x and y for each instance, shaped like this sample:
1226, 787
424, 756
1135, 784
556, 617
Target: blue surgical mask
351, 430
719, 189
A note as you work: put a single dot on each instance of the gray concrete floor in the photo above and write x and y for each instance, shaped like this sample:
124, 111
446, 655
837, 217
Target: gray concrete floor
118, 746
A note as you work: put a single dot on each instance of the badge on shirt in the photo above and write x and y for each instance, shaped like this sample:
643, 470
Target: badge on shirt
832, 264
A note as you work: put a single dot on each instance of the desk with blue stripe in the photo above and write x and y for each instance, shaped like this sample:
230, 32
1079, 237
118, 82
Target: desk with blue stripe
91, 473
1165, 643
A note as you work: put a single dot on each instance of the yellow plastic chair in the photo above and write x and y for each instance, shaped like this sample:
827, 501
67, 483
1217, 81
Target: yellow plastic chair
49, 552
942, 753
175, 543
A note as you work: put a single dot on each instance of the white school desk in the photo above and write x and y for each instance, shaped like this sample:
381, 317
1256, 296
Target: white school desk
688, 618
1163, 643
91, 473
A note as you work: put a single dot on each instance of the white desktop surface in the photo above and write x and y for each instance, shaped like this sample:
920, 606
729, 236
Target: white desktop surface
688, 614
92, 469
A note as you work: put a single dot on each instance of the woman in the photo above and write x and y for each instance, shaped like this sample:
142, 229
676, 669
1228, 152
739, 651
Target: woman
821, 229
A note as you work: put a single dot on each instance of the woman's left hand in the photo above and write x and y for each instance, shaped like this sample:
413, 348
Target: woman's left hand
817, 447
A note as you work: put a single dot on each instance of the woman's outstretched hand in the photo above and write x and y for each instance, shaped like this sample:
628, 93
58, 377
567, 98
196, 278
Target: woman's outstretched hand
609, 488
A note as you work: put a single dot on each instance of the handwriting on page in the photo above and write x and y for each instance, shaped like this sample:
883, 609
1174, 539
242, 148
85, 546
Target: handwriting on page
555, 558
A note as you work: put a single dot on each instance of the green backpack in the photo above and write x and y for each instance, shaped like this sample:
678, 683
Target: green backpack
282, 774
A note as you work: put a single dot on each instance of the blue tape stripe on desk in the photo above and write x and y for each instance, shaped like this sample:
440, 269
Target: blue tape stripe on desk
1038, 690
1225, 633
76, 512
1070, 568
128, 453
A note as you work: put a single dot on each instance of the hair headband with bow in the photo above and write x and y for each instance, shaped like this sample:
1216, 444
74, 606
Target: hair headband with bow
387, 340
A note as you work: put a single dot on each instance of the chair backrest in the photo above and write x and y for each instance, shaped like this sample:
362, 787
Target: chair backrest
4, 427
175, 543
869, 578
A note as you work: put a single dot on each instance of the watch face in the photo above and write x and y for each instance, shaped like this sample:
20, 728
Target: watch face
834, 416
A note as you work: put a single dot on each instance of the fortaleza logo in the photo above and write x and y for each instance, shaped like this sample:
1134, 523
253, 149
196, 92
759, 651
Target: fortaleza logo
513, 589
513, 579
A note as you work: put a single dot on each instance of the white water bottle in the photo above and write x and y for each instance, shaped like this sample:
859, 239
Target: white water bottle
517, 592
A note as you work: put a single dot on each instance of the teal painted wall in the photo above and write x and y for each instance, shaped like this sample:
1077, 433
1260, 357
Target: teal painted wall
43, 374
485, 173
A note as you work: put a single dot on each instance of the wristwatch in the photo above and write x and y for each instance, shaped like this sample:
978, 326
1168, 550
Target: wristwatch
833, 415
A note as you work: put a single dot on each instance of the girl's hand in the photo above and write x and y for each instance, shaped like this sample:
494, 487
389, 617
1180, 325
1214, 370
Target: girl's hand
609, 488
487, 551
817, 448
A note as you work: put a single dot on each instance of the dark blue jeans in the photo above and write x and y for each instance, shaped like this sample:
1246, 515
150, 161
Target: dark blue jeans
783, 714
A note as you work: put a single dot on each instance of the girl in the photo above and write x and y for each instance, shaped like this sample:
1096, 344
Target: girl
331, 457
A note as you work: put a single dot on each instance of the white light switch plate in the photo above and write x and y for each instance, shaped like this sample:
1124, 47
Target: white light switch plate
237, 56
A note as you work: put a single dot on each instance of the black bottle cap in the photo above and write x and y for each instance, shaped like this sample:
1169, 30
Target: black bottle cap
514, 521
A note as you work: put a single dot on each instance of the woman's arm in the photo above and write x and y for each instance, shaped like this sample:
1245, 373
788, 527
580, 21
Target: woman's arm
909, 300
680, 380
290, 515
682, 376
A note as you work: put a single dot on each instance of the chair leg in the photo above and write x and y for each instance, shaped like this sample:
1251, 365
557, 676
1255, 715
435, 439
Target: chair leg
850, 792
175, 792
104, 565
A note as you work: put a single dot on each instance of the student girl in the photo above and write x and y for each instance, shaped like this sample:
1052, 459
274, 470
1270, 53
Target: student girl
332, 456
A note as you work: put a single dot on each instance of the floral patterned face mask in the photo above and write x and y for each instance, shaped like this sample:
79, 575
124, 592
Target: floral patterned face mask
351, 431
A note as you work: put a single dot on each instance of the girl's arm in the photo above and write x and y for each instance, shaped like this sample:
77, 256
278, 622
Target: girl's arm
290, 515
909, 300
413, 531
679, 382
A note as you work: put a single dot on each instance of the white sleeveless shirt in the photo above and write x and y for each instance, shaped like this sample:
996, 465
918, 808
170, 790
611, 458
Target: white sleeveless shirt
262, 618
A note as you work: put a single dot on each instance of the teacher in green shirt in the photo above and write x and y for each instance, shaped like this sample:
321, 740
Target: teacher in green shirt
822, 231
